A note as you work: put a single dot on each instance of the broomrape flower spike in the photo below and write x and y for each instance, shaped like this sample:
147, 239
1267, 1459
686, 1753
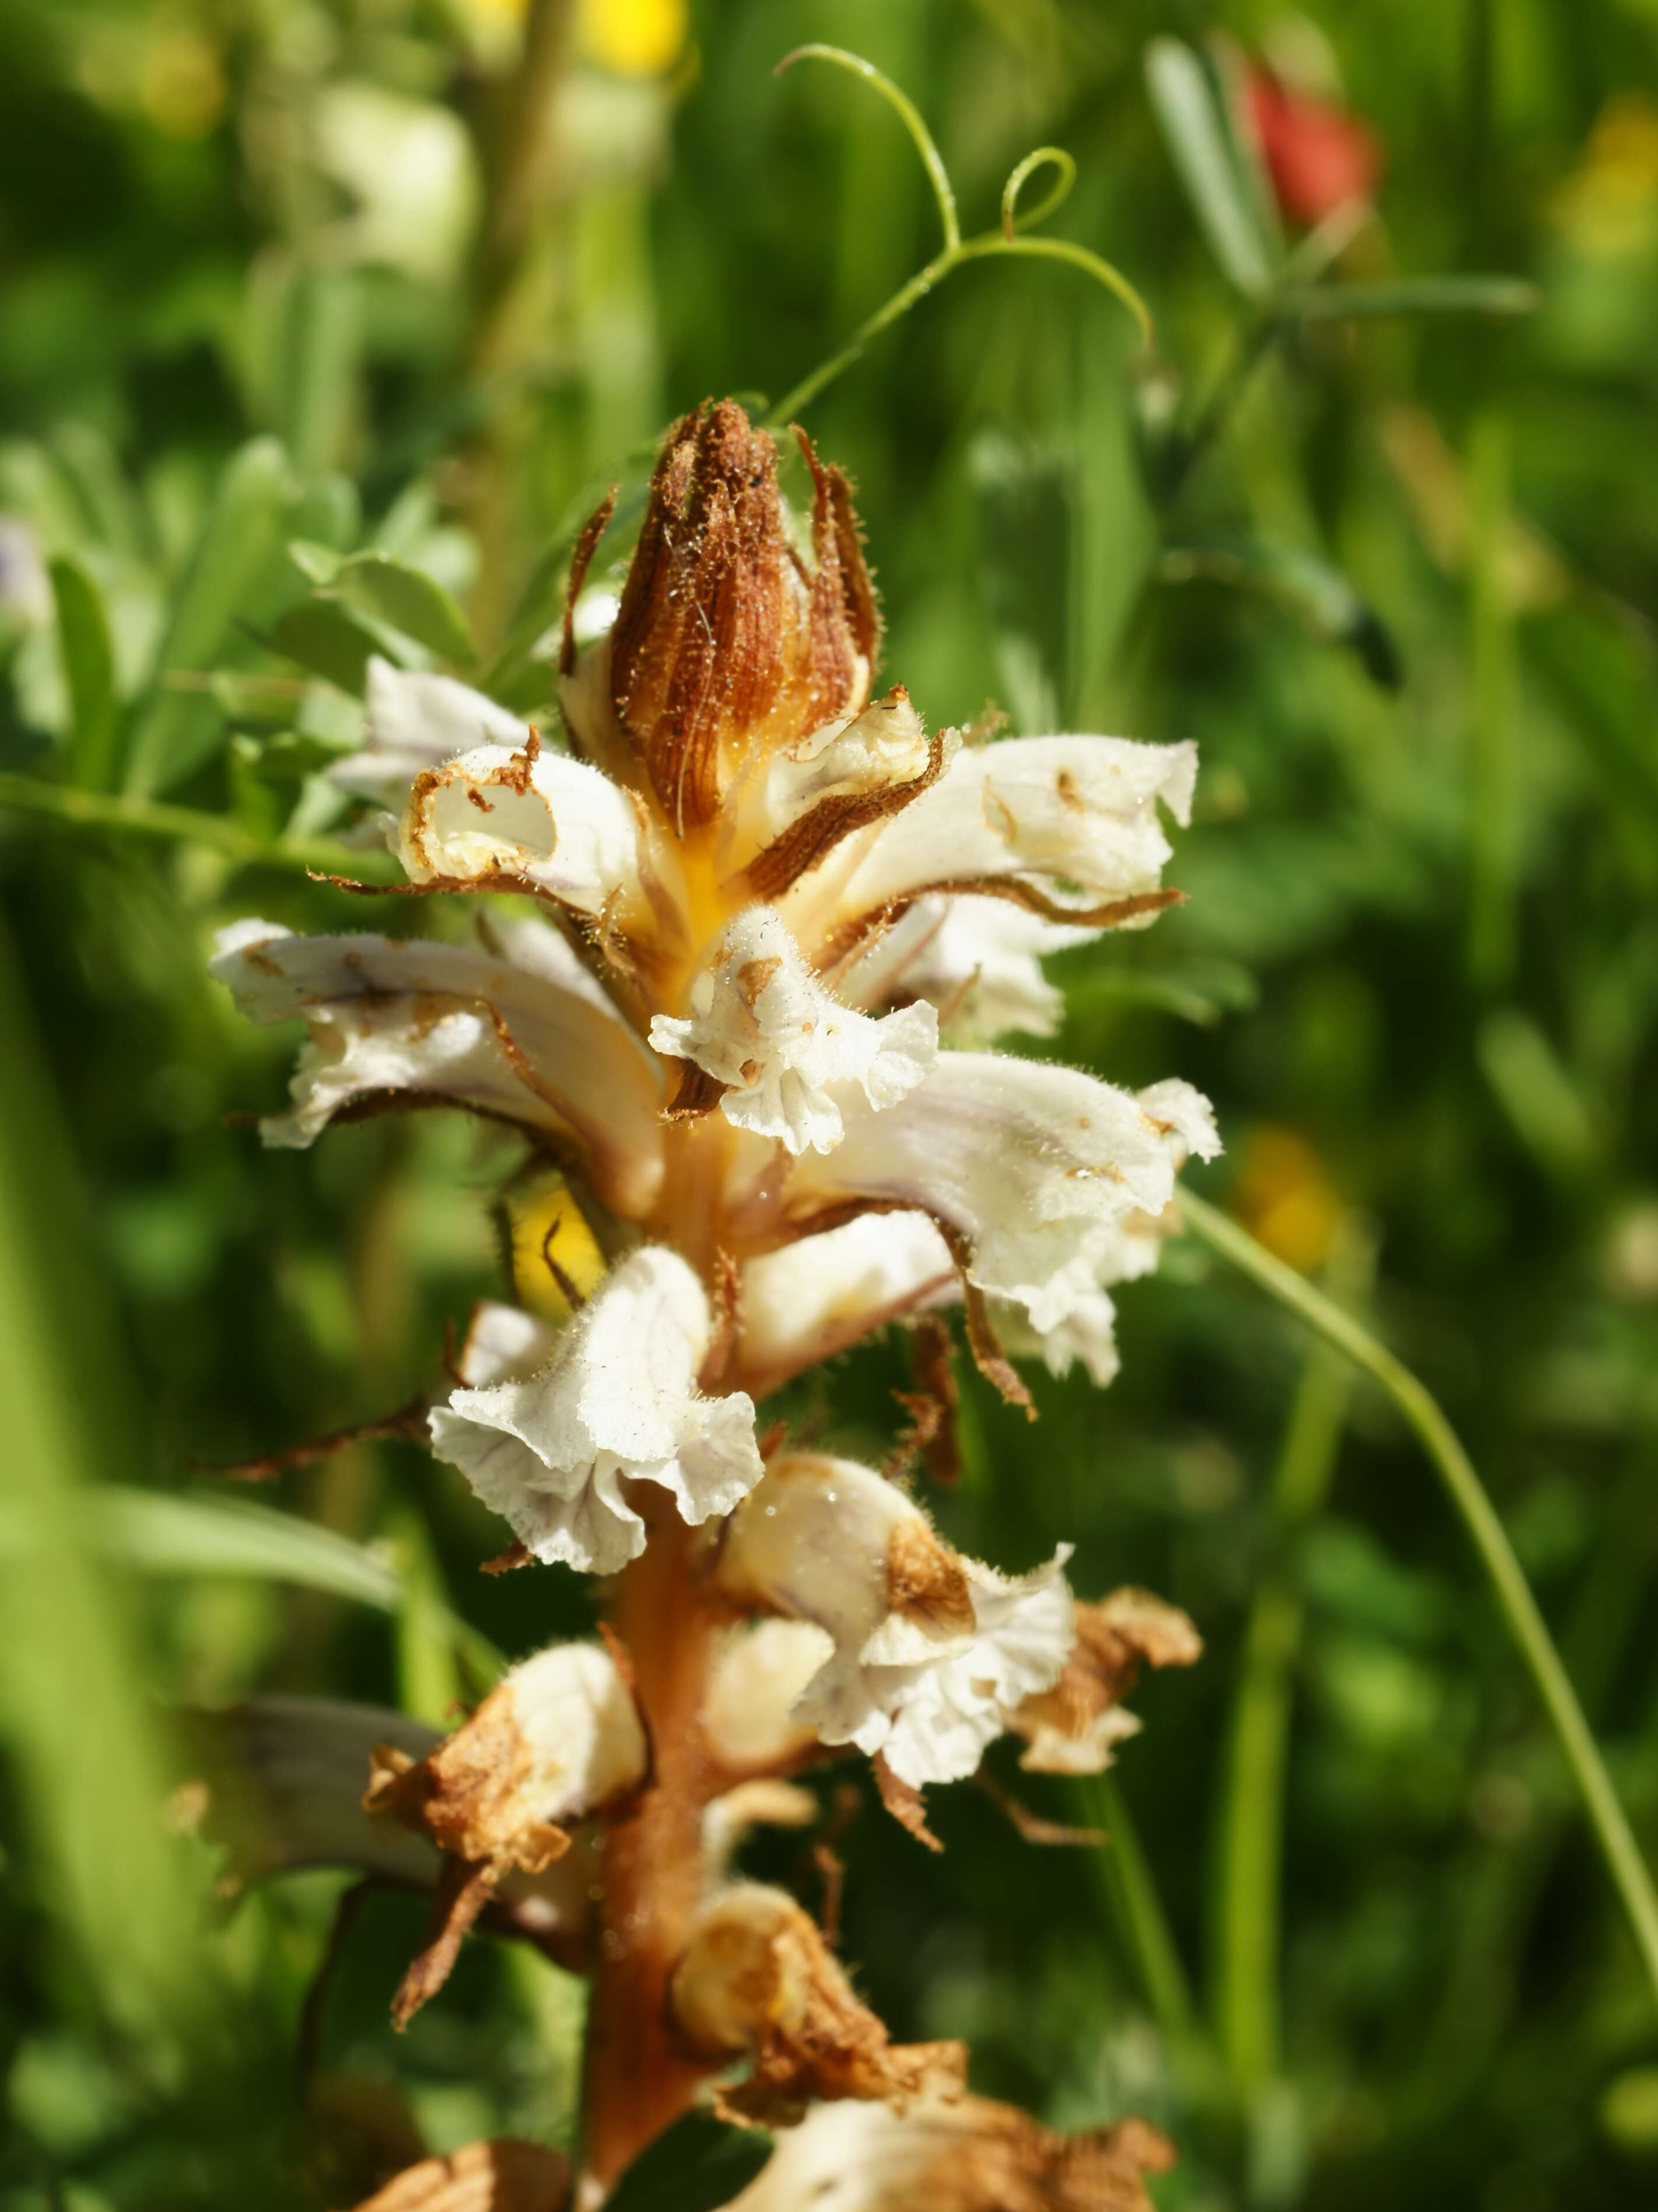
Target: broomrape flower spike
736, 923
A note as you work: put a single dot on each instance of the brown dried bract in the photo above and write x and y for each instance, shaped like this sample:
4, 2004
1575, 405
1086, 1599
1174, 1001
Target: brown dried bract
995, 2159
925, 1581
932, 1405
1067, 1729
758, 1978
905, 1802
503, 2176
814, 836
723, 640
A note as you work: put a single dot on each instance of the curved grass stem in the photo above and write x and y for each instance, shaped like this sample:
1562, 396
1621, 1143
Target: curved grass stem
1526, 1623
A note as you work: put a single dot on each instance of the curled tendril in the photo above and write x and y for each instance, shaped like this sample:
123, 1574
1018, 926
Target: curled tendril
1039, 157
955, 250
938, 175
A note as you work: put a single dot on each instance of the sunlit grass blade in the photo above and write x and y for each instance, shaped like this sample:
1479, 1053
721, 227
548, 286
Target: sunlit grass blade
1513, 1592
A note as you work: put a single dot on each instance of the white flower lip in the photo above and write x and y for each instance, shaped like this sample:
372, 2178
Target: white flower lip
1080, 810
450, 1022
529, 816
414, 721
1033, 1166
617, 1397
787, 1049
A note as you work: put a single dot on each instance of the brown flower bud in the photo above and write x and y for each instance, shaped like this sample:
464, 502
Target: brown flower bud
725, 642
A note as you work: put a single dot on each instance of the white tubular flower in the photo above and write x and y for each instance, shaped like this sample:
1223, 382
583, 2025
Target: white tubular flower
786, 1048
448, 1022
1077, 810
759, 1671
413, 722
617, 1397
560, 1737
532, 817
964, 2155
978, 960
1033, 1167
928, 1648
814, 1297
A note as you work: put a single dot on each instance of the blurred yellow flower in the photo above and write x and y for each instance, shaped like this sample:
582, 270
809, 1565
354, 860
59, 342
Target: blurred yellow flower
635, 38
1284, 1197
1608, 206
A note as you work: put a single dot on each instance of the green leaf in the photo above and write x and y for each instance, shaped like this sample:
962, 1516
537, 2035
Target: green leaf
318, 564
1307, 586
83, 643
1195, 127
389, 590
1504, 297
694, 2166
164, 1532
179, 729
322, 636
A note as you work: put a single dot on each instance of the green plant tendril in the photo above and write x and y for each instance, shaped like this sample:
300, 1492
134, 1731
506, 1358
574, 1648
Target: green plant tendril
955, 250
938, 175
1518, 1607
1040, 157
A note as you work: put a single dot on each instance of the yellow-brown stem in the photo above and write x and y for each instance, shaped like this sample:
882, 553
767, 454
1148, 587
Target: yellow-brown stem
640, 2079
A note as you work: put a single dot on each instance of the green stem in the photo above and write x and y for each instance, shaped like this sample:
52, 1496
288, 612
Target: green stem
1250, 1870
1131, 1897
988, 244
1526, 1623
148, 818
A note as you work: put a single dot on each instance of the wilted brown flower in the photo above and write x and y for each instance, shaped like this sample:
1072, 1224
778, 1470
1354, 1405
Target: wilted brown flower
758, 1979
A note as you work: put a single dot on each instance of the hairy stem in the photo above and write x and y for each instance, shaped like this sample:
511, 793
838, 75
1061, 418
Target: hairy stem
638, 2080
1526, 1623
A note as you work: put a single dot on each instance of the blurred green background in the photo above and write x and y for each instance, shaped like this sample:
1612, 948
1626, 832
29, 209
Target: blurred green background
363, 275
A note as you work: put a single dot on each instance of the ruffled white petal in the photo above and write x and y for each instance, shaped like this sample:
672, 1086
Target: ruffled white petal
412, 721
787, 1050
1078, 811
934, 1721
545, 821
927, 1648
978, 960
450, 1022
617, 1397
814, 1297
1037, 1168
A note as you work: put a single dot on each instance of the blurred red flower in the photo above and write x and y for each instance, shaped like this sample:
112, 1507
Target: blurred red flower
1317, 156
